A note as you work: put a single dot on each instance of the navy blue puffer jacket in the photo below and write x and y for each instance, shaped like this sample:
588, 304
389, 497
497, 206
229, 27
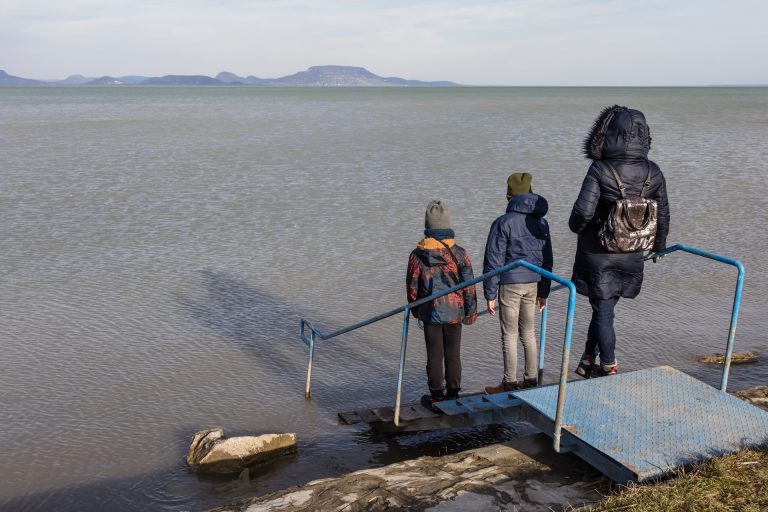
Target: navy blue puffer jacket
520, 234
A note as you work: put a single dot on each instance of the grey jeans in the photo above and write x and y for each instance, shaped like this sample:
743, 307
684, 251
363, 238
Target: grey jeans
517, 310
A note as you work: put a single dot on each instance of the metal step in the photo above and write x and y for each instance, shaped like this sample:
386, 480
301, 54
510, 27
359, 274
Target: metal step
475, 409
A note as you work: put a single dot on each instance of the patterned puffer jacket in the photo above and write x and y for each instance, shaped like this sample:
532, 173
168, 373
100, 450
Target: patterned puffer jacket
432, 269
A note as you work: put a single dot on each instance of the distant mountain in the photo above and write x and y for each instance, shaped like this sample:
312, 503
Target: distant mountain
10, 80
315, 76
181, 80
231, 78
106, 80
75, 80
133, 79
347, 76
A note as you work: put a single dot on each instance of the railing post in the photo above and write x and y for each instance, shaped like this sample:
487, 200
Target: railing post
403, 346
564, 365
736, 298
309, 364
542, 343
732, 329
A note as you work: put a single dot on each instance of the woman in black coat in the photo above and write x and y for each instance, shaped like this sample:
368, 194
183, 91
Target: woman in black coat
620, 136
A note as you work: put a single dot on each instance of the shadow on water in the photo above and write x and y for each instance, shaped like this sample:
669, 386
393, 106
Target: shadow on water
263, 322
250, 317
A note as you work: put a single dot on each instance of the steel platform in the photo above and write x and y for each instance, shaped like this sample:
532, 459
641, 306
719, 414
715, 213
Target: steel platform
645, 424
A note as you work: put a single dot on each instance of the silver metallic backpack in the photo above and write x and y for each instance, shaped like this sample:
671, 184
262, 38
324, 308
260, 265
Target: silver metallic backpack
631, 222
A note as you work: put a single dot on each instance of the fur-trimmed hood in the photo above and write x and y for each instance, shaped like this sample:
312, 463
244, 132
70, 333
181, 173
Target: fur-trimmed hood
619, 133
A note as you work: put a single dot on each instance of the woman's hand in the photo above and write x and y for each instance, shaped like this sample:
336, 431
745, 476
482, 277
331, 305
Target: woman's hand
541, 302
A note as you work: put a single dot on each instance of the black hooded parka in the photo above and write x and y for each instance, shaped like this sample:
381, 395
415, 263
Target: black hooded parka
620, 136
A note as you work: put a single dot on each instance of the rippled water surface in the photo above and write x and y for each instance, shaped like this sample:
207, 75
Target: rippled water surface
159, 246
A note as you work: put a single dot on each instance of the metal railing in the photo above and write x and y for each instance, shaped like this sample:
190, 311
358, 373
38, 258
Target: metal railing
736, 297
315, 333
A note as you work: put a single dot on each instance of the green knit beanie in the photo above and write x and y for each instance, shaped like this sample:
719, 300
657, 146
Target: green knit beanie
518, 183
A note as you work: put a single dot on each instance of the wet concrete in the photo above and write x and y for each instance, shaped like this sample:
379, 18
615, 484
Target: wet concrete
524, 474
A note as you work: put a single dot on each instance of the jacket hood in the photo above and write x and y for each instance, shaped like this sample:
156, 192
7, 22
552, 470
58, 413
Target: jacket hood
434, 253
619, 133
529, 204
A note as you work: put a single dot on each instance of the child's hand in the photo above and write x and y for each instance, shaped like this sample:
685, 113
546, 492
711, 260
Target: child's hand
541, 302
491, 307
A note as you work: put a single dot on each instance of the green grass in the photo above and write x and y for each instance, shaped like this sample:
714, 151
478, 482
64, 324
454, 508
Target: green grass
737, 482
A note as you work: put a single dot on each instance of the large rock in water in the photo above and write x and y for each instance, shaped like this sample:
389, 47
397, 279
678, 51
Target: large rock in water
212, 453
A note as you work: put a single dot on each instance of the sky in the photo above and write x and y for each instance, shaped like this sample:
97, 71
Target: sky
474, 42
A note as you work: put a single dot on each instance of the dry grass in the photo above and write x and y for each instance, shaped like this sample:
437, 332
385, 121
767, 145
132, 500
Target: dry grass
737, 482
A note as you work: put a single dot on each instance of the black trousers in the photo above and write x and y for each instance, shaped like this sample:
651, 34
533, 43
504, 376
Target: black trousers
443, 345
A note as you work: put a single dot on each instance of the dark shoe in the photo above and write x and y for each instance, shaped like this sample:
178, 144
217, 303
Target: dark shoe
603, 370
429, 401
527, 383
501, 388
452, 394
586, 366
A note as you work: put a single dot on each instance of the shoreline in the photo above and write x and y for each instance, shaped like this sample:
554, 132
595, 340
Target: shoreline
522, 474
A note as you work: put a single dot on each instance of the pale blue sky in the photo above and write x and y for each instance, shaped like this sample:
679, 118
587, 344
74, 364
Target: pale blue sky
480, 42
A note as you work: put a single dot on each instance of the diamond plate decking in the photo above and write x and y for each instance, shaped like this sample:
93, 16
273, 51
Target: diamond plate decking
644, 424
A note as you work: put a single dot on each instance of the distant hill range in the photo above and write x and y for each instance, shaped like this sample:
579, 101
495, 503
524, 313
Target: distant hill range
316, 76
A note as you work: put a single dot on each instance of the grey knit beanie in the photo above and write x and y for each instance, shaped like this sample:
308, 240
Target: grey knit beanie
437, 216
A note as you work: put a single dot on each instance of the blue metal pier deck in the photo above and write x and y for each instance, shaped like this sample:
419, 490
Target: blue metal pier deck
641, 425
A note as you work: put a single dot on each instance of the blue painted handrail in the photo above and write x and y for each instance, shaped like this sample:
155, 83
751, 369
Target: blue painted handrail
736, 296
315, 333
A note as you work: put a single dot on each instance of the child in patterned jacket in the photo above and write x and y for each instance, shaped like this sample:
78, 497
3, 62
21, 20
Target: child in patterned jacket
435, 265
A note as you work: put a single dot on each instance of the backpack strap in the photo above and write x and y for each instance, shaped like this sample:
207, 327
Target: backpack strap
460, 277
647, 182
622, 188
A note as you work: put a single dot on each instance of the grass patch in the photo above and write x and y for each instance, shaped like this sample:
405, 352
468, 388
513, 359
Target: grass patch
737, 482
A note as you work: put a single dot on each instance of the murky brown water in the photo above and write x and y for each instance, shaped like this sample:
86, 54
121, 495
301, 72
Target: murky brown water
159, 246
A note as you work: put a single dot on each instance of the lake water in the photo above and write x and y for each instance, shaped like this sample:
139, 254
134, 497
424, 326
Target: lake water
159, 246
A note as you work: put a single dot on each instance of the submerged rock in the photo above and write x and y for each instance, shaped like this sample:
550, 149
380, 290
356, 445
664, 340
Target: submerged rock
211, 452
745, 358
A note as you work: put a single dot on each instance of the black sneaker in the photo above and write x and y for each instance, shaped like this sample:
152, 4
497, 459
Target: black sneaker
586, 367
